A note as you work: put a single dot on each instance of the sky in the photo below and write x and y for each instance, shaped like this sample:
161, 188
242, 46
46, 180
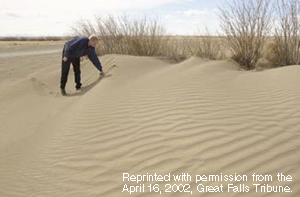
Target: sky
57, 17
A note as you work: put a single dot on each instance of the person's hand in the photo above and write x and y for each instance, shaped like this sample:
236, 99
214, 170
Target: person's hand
65, 59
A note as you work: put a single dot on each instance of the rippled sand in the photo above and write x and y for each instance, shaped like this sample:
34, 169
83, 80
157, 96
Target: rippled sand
147, 116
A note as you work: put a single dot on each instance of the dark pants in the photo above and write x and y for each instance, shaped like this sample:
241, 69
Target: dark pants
65, 67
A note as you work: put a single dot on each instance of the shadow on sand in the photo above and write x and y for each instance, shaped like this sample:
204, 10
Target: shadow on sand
87, 88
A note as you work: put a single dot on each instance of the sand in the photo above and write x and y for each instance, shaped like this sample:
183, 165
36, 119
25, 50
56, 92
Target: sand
146, 116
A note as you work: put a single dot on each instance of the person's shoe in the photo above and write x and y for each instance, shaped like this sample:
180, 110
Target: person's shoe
63, 92
78, 88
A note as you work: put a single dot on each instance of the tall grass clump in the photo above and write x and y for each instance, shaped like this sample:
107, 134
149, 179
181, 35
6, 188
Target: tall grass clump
125, 35
175, 48
285, 47
246, 24
205, 45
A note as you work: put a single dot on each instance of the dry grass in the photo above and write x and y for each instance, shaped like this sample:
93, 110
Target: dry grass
285, 48
146, 37
124, 35
246, 24
206, 46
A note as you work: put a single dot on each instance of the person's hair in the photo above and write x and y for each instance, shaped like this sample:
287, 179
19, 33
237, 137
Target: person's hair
93, 37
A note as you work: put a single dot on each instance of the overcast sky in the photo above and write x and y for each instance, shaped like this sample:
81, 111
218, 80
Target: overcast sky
56, 17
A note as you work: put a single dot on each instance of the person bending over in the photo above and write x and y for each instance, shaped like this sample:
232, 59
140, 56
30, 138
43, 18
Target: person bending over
72, 51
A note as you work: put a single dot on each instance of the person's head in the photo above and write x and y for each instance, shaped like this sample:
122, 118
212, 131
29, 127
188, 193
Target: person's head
93, 40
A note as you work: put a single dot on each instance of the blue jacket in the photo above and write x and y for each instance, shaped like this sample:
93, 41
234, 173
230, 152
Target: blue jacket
78, 46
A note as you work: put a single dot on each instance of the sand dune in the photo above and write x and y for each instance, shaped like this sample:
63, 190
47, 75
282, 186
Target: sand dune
148, 116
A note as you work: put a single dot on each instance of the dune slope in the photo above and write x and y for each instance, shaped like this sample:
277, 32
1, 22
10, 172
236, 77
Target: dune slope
147, 116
